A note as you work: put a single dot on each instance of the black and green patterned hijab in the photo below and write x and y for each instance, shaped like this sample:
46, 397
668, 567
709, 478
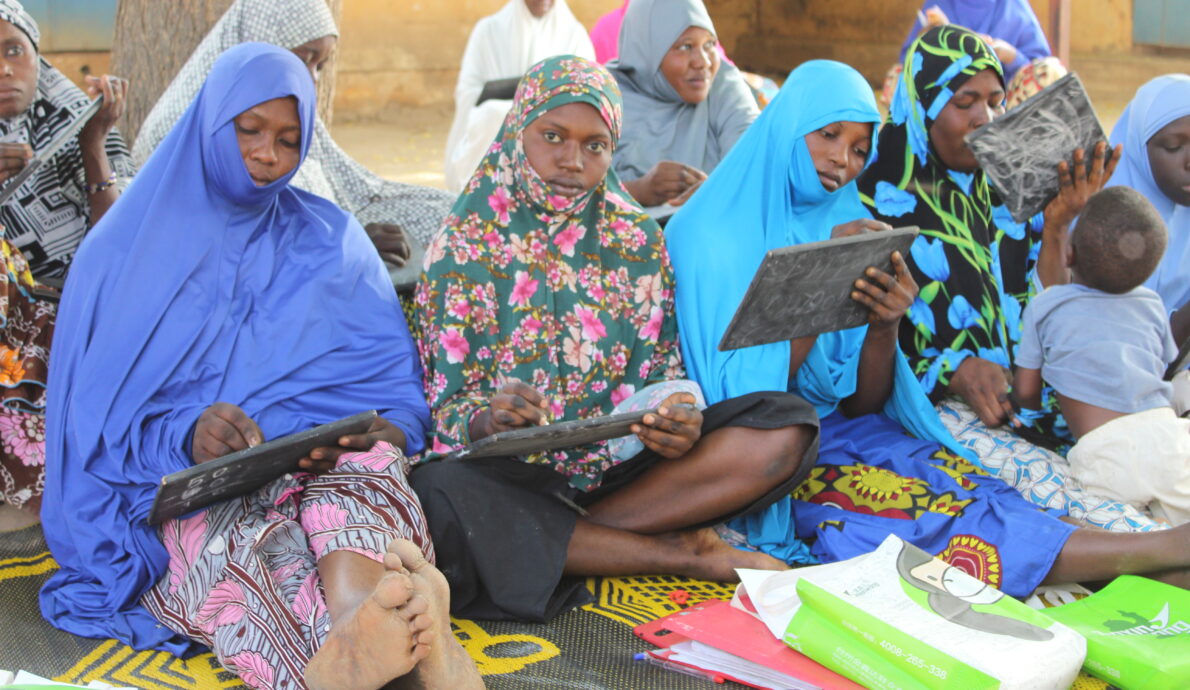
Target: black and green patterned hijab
971, 261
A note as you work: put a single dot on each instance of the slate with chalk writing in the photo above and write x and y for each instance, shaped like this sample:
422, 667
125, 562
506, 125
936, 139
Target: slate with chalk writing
1021, 149
806, 289
236, 474
538, 439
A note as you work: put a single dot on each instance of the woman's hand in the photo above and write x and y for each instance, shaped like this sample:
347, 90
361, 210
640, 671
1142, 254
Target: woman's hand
515, 406
115, 93
667, 180
887, 298
223, 428
674, 430
983, 385
858, 227
390, 242
322, 460
13, 158
1076, 185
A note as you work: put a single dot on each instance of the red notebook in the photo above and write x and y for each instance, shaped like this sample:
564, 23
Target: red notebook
717, 624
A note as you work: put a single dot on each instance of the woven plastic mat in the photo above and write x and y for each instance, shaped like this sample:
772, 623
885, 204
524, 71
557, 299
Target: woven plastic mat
588, 648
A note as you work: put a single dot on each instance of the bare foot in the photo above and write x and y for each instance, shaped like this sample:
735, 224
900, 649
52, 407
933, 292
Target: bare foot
715, 559
448, 667
383, 639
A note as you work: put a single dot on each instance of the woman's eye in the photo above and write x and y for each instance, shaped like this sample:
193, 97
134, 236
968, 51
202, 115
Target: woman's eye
15, 51
827, 133
597, 147
1171, 148
289, 144
862, 154
244, 130
552, 137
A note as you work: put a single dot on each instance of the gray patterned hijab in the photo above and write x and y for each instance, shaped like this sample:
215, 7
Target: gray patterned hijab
658, 124
328, 171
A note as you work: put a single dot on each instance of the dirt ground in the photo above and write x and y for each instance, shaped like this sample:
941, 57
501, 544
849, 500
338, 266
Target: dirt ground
412, 148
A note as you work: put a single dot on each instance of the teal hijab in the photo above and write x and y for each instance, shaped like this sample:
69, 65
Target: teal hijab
766, 194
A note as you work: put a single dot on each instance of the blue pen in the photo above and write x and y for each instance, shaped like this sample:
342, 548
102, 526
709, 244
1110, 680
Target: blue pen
679, 668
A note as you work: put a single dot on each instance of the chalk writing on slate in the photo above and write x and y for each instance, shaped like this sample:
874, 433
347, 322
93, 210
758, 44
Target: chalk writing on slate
236, 474
806, 289
1021, 149
538, 439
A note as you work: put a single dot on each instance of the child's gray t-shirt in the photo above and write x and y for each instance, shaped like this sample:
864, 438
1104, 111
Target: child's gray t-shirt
1103, 349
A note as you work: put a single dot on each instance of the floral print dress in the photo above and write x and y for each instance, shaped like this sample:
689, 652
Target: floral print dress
571, 295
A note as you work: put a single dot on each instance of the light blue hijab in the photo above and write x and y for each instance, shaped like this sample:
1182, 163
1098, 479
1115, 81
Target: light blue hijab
1158, 103
766, 194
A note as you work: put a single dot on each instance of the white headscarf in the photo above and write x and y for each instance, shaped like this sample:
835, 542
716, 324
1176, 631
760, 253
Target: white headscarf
503, 45
1158, 103
328, 171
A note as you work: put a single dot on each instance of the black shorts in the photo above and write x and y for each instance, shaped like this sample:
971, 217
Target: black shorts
501, 531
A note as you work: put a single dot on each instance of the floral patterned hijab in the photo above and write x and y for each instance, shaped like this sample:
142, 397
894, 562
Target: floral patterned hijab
573, 296
972, 261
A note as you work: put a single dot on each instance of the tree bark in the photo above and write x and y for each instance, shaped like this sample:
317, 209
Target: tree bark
153, 39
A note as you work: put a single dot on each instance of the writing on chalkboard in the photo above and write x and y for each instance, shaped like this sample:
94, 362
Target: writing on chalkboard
236, 474
806, 289
1021, 149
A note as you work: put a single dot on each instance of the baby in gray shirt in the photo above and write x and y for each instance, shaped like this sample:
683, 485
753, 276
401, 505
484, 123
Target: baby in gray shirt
1103, 342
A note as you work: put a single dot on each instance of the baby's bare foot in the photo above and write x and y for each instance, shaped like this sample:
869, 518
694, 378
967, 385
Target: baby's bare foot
383, 639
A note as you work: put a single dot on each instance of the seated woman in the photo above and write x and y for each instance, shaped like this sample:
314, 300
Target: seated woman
683, 108
215, 307
549, 297
72, 190
975, 265
503, 46
1155, 133
386, 209
790, 180
1009, 27
42, 229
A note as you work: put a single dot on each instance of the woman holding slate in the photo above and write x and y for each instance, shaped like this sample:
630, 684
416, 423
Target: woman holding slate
214, 307
976, 267
548, 296
791, 180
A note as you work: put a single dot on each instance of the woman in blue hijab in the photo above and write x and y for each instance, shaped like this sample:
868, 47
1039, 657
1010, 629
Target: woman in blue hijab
790, 180
1155, 132
215, 307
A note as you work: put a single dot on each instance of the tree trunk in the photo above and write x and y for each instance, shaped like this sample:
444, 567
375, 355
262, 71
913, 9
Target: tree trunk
153, 39
326, 81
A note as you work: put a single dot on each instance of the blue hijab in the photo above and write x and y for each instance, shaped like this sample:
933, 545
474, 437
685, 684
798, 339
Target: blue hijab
199, 287
1009, 20
766, 194
1158, 103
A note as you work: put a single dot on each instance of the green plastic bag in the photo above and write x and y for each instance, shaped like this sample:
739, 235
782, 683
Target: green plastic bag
1138, 633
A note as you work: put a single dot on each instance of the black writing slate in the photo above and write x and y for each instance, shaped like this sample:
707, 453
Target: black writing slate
1021, 149
806, 289
236, 474
539, 439
498, 90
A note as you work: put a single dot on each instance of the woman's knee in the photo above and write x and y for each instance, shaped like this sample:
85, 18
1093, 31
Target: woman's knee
778, 454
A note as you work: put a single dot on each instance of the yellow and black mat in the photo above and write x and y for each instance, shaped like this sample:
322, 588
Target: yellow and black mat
589, 648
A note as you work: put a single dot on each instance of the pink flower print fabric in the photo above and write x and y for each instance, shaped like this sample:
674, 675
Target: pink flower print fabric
571, 295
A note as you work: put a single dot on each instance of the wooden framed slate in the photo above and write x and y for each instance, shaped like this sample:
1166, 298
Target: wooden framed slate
1021, 149
806, 289
539, 439
235, 474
